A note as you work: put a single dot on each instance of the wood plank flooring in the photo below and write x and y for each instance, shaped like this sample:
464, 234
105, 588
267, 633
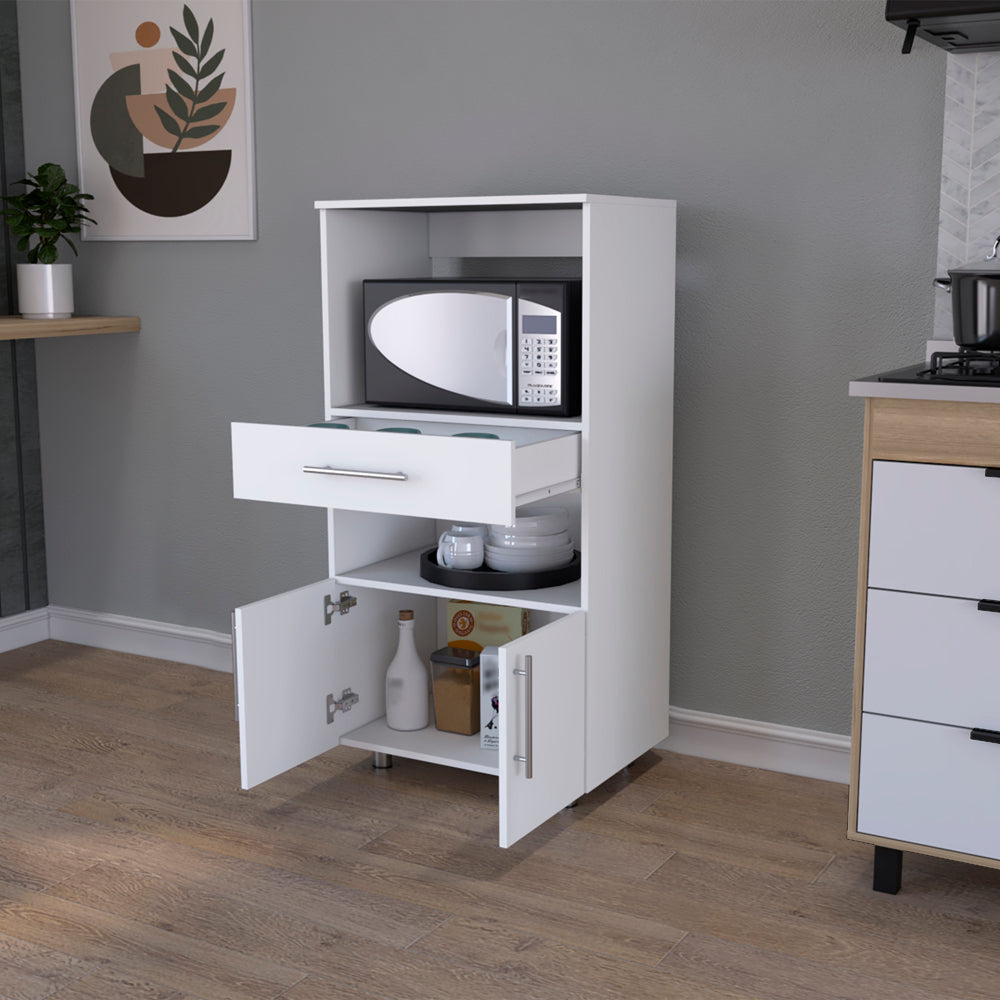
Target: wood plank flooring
132, 867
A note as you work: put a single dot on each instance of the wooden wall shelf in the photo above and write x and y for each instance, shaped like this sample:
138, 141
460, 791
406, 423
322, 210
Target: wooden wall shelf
15, 328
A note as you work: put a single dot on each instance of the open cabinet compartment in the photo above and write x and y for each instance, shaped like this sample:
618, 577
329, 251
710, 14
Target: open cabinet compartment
296, 658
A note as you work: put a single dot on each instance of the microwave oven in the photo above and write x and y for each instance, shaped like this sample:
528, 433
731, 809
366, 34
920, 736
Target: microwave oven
464, 344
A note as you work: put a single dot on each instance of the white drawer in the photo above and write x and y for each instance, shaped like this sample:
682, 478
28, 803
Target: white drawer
932, 658
932, 530
422, 475
929, 784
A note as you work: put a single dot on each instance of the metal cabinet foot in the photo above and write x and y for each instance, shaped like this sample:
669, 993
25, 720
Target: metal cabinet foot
887, 870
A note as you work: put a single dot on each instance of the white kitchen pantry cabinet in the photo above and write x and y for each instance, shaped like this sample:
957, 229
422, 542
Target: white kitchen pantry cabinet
585, 691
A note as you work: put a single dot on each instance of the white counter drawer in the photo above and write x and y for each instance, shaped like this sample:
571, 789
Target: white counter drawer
932, 530
929, 784
932, 658
422, 475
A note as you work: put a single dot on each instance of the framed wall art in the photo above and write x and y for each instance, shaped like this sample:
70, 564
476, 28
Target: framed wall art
164, 117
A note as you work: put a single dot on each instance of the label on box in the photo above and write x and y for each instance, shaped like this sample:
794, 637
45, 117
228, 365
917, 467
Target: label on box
472, 625
489, 706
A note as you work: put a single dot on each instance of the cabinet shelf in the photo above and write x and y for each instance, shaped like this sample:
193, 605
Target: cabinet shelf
16, 328
402, 574
430, 745
567, 424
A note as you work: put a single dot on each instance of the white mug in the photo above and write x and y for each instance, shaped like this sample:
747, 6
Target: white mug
460, 547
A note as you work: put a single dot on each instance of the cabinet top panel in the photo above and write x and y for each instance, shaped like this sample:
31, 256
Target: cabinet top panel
872, 387
496, 201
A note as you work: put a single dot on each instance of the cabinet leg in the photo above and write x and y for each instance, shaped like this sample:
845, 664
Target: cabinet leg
381, 761
887, 870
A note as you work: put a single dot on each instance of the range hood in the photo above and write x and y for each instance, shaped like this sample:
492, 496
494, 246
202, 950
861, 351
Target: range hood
955, 25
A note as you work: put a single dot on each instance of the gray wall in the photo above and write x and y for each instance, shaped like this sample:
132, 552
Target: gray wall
804, 153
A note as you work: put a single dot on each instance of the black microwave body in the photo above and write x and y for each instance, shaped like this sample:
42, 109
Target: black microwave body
475, 345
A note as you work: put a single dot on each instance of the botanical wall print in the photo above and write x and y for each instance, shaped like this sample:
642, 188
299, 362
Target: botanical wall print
164, 118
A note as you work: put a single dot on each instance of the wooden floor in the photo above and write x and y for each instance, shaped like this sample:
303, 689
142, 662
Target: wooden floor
133, 868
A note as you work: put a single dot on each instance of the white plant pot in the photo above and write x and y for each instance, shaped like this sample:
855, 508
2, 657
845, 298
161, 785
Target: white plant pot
45, 291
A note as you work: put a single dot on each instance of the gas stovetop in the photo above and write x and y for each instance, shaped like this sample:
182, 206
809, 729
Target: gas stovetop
947, 368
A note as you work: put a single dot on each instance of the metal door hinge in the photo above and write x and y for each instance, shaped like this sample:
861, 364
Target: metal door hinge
346, 602
348, 699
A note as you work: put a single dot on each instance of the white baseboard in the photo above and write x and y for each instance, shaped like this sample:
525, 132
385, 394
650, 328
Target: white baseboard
199, 647
23, 629
698, 734
808, 752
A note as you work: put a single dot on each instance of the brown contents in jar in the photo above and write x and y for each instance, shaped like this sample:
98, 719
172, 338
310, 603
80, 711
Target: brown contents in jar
456, 699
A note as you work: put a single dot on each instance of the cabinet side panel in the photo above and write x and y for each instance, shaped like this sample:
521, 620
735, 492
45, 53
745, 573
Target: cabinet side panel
860, 620
626, 462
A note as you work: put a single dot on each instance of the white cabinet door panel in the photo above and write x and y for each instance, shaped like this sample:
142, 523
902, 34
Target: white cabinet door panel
288, 660
555, 695
931, 530
929, 784
932, 658
423, 475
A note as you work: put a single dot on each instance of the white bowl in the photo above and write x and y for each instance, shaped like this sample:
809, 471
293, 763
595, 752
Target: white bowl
529, 555
536, 521
531, 562
515, 540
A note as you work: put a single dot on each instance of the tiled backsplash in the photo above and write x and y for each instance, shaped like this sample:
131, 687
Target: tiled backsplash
970, 170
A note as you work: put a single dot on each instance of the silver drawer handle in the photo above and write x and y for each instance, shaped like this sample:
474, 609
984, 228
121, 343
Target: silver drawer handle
325, 470
526, 759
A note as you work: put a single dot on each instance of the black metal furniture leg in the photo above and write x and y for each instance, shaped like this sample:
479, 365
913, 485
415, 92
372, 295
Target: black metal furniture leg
888, 870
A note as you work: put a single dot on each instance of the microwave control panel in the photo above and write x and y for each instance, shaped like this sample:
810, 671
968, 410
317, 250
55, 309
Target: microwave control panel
539, 363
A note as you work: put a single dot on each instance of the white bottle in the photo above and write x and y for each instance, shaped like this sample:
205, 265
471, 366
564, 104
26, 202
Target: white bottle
406, 701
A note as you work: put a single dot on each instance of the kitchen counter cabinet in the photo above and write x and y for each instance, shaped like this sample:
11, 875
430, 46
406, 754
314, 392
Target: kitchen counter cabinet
925, 759
585, 691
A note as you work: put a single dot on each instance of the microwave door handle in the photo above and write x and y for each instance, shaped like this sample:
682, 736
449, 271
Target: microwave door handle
513, 360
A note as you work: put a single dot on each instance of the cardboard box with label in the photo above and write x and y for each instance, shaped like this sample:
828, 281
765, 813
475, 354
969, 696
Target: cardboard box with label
472, 625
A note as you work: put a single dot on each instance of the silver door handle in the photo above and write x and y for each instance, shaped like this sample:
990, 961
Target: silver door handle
325, 470
526, 759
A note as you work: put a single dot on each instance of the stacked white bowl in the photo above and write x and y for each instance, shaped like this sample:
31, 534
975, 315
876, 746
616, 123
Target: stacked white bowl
537, 540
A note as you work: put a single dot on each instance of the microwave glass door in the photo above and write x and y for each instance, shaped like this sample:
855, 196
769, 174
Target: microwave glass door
457, 341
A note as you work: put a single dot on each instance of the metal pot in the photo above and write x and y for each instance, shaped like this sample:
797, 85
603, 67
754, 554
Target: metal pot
975, 302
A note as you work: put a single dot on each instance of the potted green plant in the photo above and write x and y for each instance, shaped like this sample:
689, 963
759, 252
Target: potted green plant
50, 209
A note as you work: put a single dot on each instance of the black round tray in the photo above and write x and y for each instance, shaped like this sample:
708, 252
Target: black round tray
485, 578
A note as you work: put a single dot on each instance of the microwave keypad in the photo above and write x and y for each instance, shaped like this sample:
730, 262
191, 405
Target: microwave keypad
539, 369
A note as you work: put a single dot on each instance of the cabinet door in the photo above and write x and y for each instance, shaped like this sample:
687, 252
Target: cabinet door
543, 721
289, 659
932, 658
931, 530
923, 783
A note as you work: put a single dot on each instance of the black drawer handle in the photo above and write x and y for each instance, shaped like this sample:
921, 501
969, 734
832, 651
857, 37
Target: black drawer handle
987, 605
985, 735
993, 473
